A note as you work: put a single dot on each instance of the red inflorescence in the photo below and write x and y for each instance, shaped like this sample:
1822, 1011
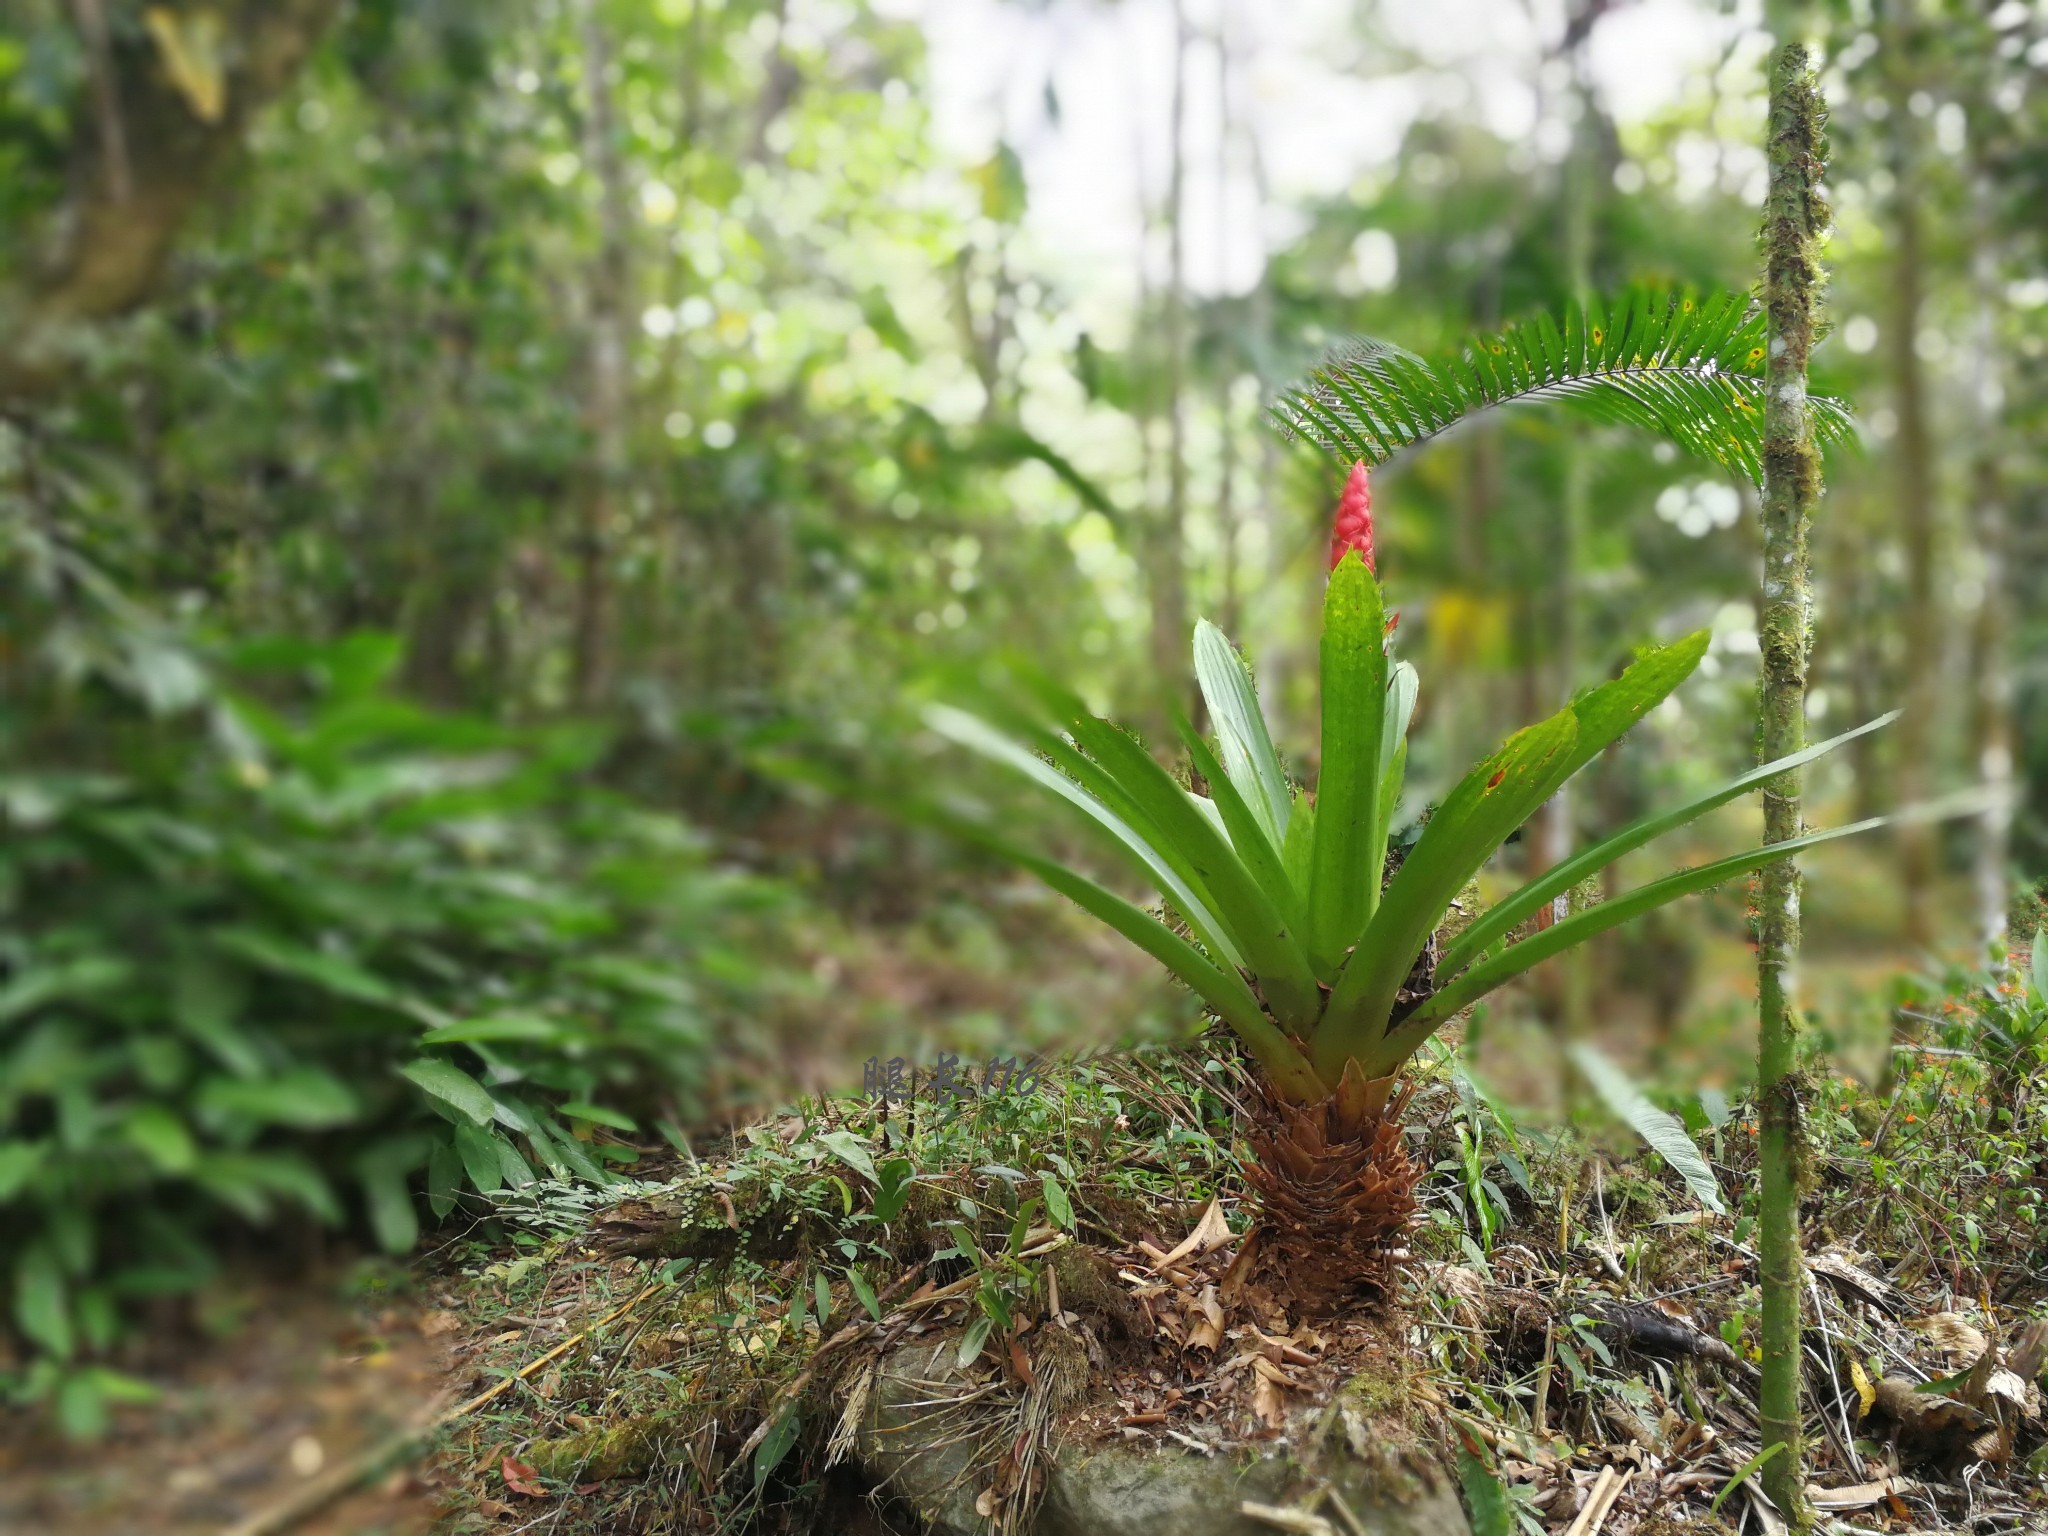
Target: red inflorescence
1352, 528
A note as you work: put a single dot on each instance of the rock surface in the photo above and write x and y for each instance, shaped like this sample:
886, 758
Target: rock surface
929, 1458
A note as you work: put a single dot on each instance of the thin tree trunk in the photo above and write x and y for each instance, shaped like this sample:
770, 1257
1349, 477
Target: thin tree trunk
1913, 477
1169, 581
1992, 715
609, 344
1226, 377
1794, 217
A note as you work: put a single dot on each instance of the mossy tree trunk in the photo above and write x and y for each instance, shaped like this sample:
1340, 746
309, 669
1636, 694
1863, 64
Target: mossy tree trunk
1794, 217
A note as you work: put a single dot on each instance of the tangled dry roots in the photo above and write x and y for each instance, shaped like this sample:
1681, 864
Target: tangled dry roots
1337, 1191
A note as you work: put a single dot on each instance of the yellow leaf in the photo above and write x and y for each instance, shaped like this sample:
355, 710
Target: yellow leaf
1866, 1394
190, 43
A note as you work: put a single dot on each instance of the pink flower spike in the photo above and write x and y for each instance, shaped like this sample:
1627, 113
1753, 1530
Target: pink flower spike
1352, 527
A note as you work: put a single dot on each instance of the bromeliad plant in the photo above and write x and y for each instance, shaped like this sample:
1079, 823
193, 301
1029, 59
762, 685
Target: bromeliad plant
1288, 917
1296, 928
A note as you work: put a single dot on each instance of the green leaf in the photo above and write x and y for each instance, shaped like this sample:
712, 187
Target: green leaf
780, 1438
1473, 821
1743, 1474
1664, 1133
865, 1292
19, 1161
597, 1114
893, 1188
1486, 1497
2037, 967
1491, 972
388, 1199
978, 736
480, 1151
1247, 747
42, 1302
1501, 918
1247, 838
286, 957
1607, 712
247, 1181
305, 1098
453, 1087
38, 985
160, 1135
510, 1163
974, 1340
1223, 990
498, 1027
1257, 928
822, 1289
1687, 368
850, 1150
1299, 850
444, 1178
1350, 843
1057, 1206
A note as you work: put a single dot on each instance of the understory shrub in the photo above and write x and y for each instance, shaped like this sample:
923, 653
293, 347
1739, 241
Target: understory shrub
291, 945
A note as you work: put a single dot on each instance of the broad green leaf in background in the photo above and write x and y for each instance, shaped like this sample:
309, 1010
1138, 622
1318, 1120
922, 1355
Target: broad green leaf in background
42, 1306
452, 1086
850, 1150
331, 973
974, 1340
865, 1292
19, 1161
160, 1134
894, 1188
1486, 1497
306, 1098
597, 1114
1057, 1206
1663, 1132
388, 1200
776, 1445
496, 1027
480, 1152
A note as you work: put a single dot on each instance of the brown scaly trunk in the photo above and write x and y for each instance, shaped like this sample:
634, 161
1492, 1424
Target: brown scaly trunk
1336, 1191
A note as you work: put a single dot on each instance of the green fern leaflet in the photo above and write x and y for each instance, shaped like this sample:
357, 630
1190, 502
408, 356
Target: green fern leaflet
1688, 368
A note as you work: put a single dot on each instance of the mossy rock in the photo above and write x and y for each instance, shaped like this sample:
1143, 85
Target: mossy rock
1395, 1488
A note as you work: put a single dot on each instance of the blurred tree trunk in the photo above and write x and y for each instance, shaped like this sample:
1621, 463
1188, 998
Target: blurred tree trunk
603, 501
1170, 665
166, 112
1912, 471
1795, 214
1226, 368
1991, 715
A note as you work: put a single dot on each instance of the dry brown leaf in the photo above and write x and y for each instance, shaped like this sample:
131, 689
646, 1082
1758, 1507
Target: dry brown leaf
1953, 1334
1858, 1495
521, 1478
1269, 1401
1207, 1333
1210, 1233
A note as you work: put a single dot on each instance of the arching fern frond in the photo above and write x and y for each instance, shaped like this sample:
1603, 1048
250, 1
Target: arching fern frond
1690, 369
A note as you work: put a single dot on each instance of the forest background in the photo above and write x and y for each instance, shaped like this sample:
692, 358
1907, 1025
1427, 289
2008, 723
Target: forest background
466, 467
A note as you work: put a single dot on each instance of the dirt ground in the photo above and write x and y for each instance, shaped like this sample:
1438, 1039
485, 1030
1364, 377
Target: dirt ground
294, 1381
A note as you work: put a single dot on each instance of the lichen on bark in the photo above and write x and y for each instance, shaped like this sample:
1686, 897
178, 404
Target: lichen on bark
1795, 217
